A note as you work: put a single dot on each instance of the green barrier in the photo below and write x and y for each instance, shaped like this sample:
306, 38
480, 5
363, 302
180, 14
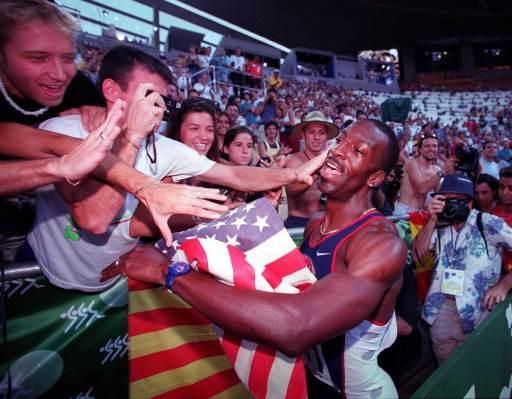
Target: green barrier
482, 366
65, 344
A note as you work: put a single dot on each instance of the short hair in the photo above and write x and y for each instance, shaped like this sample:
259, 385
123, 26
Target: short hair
506, 172
425, 136
271, 123
190, 106
231, 104
120, 61
392, 151
15, 12
491, 181
233, 132
490, 141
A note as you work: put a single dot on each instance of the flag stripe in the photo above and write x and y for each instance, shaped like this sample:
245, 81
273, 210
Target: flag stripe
297, 385
219, 385
177, 378
258, 378
170, 338
243, 274
154, 298
161, 319
157, 362
279, 378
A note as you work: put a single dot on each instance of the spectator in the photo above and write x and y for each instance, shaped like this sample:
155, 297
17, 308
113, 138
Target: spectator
234, 115
254, 69
463, 273
237, 62
223, 123
221, 62
488, 162
486, 193
274, 81
304, 201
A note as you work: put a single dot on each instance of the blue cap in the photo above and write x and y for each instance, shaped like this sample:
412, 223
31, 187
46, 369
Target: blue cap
457, 184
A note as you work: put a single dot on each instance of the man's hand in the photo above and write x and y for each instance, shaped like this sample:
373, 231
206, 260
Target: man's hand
164, 200
145, 264
436, 206
305, 171
495, 295
84, 158
144, 113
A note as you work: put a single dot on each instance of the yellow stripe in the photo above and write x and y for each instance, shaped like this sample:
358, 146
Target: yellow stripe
170, 338
183, 376
153, 299
235, 392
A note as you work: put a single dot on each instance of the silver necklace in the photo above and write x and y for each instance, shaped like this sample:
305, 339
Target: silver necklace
8, 98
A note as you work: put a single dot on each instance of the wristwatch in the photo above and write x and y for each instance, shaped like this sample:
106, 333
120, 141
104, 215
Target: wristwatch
174, 270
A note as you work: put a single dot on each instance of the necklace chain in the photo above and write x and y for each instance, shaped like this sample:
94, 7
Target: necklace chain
325, 233
11, 102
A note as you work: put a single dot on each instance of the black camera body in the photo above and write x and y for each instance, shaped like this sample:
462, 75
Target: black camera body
456, 210
467, 160
171, 106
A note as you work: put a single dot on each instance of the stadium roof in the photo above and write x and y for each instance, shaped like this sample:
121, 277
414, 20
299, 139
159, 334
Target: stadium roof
345, 26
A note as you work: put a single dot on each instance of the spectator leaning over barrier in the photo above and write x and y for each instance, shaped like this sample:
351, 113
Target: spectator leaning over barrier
38, 79
467, 245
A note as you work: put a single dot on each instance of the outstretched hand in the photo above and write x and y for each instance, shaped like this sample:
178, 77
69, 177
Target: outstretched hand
166, 199
94, 148
306, 171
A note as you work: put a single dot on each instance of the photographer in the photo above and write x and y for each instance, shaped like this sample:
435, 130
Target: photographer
467, 246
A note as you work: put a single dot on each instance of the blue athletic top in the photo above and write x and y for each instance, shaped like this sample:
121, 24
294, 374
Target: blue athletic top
326, 359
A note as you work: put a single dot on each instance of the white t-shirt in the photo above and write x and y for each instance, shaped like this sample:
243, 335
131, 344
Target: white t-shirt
72, 258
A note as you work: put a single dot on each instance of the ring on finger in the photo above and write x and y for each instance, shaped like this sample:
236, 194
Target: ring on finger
102, 135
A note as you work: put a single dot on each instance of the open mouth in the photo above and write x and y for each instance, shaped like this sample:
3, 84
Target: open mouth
332, 167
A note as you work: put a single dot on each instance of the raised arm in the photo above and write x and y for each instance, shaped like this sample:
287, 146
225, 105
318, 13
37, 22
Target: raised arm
417, 179
95, 204
247, 178
290, 323
422, 243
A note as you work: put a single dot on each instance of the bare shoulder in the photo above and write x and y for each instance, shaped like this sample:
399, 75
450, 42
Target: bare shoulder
376, 251
295, 160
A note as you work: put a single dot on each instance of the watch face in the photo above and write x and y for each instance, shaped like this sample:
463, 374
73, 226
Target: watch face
181, 267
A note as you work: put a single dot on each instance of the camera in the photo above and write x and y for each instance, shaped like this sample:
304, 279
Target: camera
456, 210
171, 106
266, 159
467, 161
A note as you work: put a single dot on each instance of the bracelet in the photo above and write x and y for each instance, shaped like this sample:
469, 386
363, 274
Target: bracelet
69, 181
132, 143
145, 186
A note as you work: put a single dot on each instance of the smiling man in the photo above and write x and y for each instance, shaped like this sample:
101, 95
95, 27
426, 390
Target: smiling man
38, 80
304, 200
357, 258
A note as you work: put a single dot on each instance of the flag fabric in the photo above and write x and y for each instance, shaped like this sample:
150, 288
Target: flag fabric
408, 230
248, 247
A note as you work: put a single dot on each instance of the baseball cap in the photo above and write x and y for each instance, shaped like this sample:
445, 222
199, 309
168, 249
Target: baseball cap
457, 184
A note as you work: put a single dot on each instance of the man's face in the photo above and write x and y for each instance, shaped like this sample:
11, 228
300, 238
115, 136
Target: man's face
315, 136
490, 150
38, 63
505, 191
429, 149
355, 158
232, 111
173, 92
140, 75
483, 195
271, 132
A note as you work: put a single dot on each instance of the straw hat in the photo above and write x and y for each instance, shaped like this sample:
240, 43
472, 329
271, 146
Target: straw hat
317, 117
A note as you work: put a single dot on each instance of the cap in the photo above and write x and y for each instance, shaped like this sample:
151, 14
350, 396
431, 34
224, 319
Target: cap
457, 184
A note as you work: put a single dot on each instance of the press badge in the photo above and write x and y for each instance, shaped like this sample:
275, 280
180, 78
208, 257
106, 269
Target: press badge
453, 282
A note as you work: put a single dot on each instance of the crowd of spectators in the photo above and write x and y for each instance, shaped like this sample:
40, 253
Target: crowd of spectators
283, 119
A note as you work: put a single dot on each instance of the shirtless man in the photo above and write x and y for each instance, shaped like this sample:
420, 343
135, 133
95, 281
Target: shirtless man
359, 278
304, 200
421, 175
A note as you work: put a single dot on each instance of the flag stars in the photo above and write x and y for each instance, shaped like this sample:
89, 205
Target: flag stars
232, 240
219, 224
175, 244
212, 237
261, 222
200, 227
239, 222
249, 206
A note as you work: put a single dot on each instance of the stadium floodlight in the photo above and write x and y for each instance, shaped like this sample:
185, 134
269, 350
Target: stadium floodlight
227, 24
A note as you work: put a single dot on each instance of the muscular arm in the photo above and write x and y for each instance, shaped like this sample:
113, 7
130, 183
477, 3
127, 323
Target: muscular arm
290, 323
417, 180
19, 176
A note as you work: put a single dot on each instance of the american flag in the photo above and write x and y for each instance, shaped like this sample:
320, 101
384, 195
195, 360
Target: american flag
249, 247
